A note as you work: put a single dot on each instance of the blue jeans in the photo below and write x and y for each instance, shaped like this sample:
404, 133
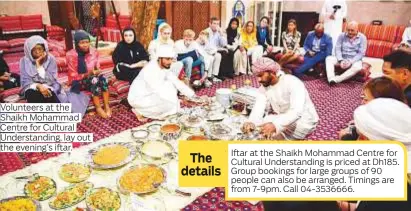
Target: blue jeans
189, 64
309, 62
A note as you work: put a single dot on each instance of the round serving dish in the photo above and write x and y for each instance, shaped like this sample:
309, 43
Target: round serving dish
132, 154
170, 131
71, 172
153, 179
197, 138
154, 128
36, 204
139, 135
157, 151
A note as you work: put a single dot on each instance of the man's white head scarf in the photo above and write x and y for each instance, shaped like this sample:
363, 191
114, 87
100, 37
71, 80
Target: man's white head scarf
385, 119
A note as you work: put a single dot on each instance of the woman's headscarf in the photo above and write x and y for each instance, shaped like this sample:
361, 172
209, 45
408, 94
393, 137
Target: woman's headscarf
128, 52
29, 61
384, 119
232, 33
79, 36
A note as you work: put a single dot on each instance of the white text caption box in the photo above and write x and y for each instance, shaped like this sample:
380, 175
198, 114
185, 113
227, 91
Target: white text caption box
297, 171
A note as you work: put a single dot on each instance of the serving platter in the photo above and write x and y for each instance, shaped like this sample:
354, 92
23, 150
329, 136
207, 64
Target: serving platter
68, 172
37, 205
153, 183
115, 197
128, 159
49, 191
87, 187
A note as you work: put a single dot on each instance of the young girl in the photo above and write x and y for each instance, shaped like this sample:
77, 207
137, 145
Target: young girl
84, 73
263, 35
291, 42
233, 43
7, 80
164, 39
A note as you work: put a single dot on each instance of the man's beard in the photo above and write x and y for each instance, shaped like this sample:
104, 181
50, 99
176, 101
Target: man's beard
165, 66
266, 84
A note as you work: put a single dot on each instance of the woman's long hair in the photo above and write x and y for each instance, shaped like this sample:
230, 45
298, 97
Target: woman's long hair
295, 23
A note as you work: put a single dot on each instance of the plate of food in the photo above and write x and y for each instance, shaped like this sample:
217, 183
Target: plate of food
141, 179
40, 188
111, 155
103, 199
20, 203
70, 196
74, 172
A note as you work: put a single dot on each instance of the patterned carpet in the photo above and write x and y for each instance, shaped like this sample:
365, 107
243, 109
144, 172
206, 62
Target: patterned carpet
334, 105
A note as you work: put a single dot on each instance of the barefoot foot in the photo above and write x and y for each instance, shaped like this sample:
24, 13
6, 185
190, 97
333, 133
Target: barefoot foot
101, 113
108, 111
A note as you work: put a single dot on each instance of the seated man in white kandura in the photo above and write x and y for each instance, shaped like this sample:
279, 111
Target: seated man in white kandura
295, 117
153, 94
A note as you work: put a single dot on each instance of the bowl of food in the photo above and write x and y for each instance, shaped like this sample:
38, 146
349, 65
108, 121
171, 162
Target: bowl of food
40, 188
170, 131
74, 172
70, 196
103, 199
157, 151
197, 138
141, 179
20, 203
111, 155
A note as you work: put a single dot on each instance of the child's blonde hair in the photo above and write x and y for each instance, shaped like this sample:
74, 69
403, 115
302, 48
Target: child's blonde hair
163, 27
204, 32
189, 33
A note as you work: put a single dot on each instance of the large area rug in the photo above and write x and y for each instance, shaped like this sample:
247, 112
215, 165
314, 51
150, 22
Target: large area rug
335, 106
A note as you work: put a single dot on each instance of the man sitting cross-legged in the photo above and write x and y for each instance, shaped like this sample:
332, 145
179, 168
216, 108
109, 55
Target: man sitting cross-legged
349, 51
317, 46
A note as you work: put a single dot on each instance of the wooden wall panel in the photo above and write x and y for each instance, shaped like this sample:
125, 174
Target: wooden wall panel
200, 16
182, 19
215, 9
194, 15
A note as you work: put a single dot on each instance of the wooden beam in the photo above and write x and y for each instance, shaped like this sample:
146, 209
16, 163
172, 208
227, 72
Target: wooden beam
169, 12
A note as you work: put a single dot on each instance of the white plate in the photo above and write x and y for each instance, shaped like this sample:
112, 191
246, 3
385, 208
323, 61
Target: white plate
216, 116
